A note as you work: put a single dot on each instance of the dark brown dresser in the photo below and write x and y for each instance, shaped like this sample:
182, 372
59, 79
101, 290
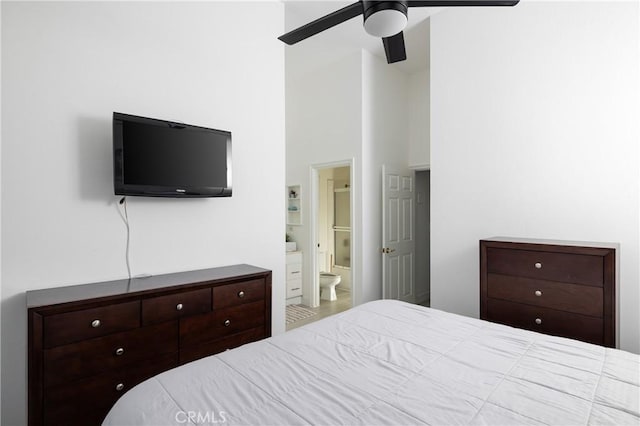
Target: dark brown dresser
561, 288
89, 344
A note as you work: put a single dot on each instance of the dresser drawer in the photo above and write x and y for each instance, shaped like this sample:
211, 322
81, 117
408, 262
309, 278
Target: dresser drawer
239, 293
221, 323
294, 288
93, 397
173, 306
191, 353
294, 271
64, 364
544, 320
69, 327
579, 299
565, 267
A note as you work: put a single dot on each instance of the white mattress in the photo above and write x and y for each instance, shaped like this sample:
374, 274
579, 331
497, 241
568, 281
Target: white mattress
392, 363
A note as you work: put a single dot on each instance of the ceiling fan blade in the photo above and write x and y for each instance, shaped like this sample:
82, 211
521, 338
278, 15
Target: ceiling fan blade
453, 3
321, 24
394, 48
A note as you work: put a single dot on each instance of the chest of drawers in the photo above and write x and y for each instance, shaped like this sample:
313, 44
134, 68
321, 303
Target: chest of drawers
89, 344
561, 288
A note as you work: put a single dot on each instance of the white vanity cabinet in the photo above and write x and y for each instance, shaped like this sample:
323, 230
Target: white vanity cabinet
294, 277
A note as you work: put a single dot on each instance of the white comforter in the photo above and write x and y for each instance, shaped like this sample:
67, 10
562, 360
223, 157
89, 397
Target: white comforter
392, 363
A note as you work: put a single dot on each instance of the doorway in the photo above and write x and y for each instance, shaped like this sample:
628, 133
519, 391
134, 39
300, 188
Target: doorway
423, 237
332, 242
332, 246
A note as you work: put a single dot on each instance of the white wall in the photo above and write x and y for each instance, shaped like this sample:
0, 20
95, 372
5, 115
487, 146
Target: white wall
65, 68
385, 141
419, 120
534, 134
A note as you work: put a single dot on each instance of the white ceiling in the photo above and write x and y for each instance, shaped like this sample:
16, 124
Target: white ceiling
352, 33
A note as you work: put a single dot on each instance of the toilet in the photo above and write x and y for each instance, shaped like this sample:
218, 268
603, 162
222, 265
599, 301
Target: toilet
328, 283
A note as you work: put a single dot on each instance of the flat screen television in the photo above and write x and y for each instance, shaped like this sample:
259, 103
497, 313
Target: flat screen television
159, 158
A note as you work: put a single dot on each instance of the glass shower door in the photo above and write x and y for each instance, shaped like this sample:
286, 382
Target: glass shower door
342, 227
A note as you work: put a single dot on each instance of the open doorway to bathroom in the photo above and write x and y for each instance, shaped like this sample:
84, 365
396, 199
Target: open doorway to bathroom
332, 245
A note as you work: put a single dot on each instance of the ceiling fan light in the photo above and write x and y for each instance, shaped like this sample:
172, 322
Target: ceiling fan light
385, 23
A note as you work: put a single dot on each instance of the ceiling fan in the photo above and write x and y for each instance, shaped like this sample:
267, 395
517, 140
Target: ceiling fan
385, 19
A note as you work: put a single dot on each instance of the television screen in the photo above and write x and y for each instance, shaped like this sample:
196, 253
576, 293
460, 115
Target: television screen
161, 158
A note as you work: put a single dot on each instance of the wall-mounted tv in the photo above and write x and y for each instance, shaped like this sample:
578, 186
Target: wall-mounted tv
159, 158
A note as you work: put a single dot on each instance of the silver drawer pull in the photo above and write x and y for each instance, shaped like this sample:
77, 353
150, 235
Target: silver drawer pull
119, 386
179, 307
295, 272
294, 289
119, 351
538, 265
95, 323
538, 321
227, 323
538, 293
241, 294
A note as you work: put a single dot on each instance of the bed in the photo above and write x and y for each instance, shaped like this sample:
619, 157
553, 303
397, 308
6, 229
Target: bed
393, 363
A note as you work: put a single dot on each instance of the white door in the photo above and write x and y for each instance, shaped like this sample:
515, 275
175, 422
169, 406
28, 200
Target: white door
398, 240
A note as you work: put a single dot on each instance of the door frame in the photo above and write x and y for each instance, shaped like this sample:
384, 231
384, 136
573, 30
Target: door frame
314, 178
